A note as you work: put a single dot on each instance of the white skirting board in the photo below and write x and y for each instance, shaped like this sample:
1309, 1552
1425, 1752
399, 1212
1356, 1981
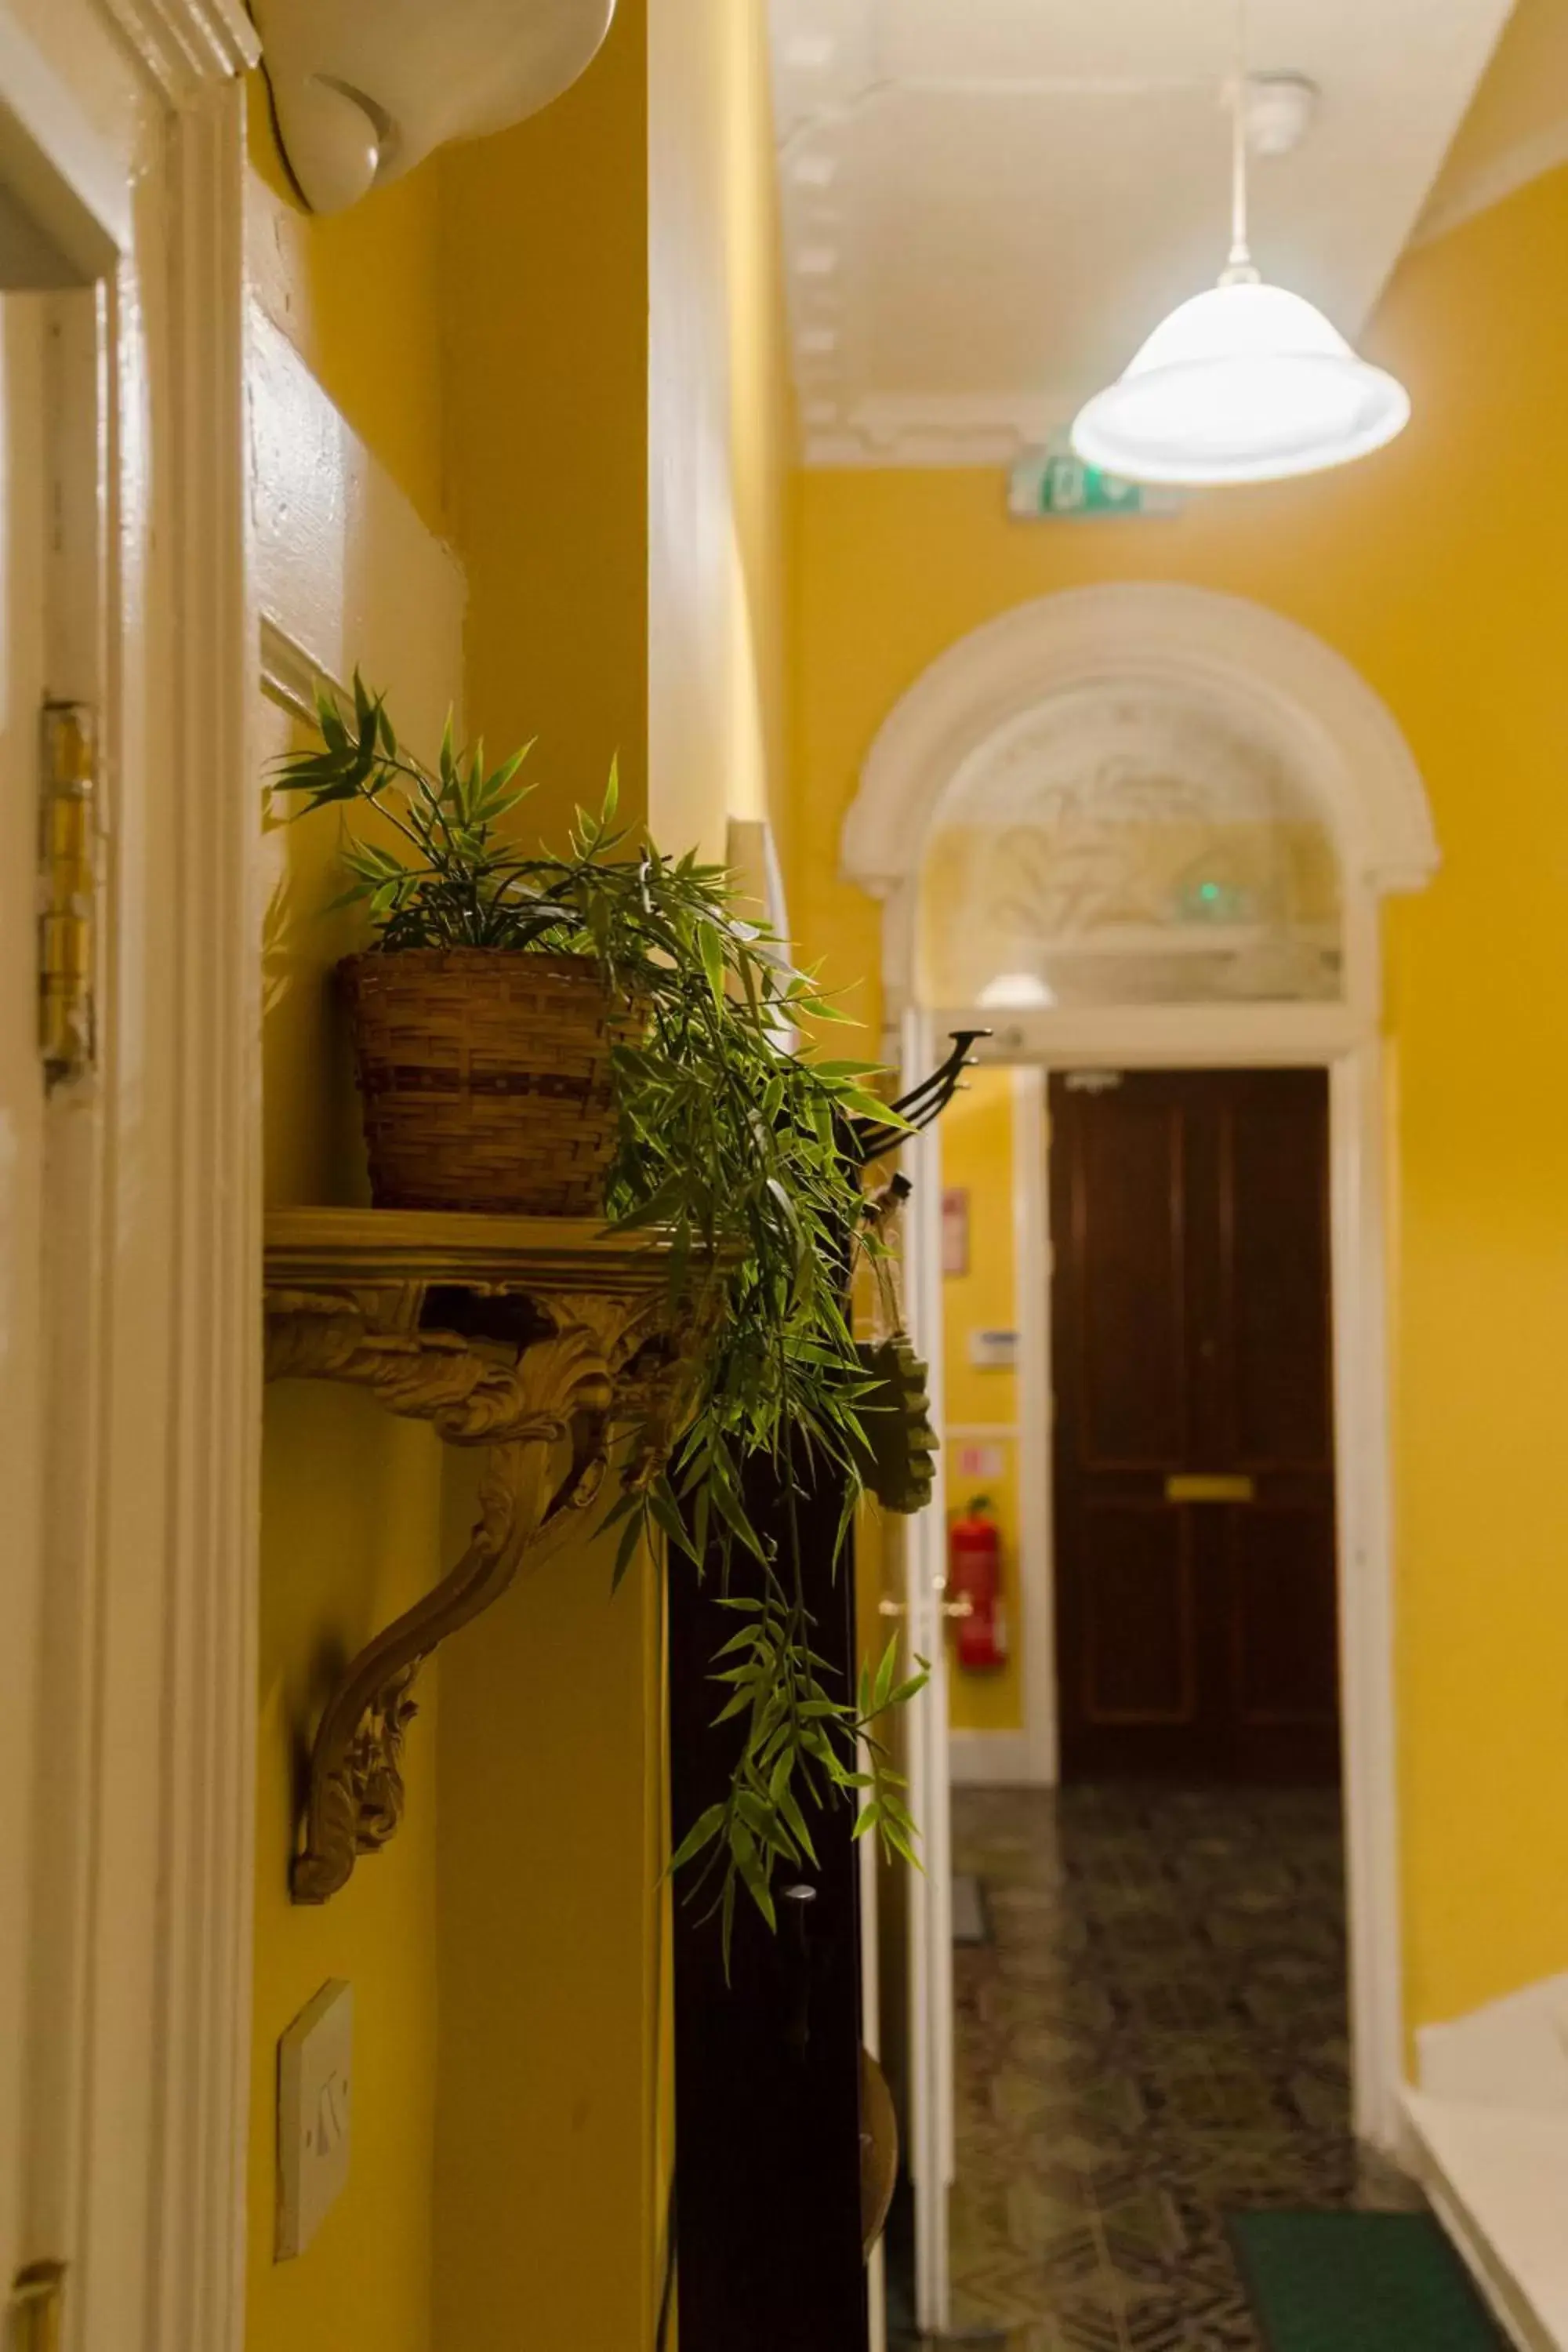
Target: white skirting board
1490, 2134
1497, 2179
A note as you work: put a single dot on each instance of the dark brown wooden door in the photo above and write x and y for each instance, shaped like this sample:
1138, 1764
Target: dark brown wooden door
1197, 1626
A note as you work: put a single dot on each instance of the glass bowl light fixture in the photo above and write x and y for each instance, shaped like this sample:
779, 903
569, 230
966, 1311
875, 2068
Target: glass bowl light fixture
1246, 382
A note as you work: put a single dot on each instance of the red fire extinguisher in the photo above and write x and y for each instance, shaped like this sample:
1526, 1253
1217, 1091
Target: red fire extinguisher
975, 1576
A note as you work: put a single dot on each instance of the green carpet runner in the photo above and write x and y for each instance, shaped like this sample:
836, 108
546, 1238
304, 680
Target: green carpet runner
1360, 2283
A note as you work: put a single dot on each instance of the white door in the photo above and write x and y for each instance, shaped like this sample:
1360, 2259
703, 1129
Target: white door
931, 2153
26, 1966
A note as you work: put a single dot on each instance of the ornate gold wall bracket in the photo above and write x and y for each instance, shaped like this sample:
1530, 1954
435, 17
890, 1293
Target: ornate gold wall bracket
529, 1338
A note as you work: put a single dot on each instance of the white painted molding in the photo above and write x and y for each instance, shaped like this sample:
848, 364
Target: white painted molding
1494, 182
1498, 2180
1032, 1458
1511, 2052
1364, 1470
914, 430
212, 927
290, 676
328, 526
1263, 666
136, 172
54, 167
1150, 1036
140, 121
185, 46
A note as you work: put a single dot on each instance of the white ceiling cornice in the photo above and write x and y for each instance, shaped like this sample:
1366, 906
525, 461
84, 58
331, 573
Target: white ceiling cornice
986, 208
1493, 182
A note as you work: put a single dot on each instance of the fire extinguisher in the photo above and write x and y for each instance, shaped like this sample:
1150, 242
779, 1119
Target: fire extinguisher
974, 1587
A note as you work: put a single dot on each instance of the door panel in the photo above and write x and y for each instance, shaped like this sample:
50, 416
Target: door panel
1142, 1633
1191, 1339
1277, 1261
1127, 1223
1284, 1619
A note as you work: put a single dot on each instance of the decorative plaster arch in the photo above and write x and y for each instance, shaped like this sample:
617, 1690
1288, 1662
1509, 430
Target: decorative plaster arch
1267, 671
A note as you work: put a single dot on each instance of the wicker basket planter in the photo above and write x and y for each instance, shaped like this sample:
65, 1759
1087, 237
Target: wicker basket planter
485, 1078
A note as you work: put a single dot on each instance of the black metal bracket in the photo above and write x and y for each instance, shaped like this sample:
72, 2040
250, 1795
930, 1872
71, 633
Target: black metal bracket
869, 1138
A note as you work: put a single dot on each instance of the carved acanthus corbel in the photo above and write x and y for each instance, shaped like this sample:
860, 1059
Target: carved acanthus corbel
545, 1414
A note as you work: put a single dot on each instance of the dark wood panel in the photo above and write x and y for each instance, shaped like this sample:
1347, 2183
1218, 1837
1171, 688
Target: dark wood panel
767, 2065
1140, 1627
1127, 1207
1275, 1255
1285, 1630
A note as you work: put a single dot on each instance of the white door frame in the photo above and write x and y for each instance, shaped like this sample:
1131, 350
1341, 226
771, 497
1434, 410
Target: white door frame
1280, 682
1354, 1068
122, 128
933, 2128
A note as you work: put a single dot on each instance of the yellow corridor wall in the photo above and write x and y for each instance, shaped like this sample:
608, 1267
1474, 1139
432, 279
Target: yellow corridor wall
977, 1145
565, 347
351, 1502
1438, 568
614, 455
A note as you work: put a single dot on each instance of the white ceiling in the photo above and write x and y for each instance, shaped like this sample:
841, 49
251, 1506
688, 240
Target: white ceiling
988, 203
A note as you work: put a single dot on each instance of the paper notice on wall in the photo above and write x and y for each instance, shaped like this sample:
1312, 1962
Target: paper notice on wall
955, 1231
985, 1462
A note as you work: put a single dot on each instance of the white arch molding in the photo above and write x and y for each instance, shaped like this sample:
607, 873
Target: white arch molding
1266, 676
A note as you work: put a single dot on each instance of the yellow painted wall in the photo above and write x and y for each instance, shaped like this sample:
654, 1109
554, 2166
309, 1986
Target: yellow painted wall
351, 1499
977, 1159
548, 2201
616, 496
719, 425
1437, 568
566, 345
1516, 115
545, 291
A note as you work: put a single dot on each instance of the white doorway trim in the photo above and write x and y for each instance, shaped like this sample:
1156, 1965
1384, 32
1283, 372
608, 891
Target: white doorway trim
1361, 1478
122, 133
1347, 746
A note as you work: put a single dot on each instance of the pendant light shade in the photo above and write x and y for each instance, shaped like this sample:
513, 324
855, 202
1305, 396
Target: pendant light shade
1246, 382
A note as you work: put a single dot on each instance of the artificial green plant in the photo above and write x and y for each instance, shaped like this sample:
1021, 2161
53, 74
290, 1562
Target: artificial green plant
733, 1141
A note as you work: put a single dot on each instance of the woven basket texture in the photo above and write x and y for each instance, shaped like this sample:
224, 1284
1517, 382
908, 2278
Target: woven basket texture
485, 1078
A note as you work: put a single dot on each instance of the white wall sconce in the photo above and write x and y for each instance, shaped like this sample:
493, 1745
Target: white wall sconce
366, 88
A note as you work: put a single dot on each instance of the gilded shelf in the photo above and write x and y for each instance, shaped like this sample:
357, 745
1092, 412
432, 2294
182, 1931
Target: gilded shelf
535, 1339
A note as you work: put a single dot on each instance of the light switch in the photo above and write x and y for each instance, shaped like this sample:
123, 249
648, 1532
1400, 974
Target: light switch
993, 1351
315, 2083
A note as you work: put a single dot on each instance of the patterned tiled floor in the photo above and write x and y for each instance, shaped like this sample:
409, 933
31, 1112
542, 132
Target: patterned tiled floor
1155, 2037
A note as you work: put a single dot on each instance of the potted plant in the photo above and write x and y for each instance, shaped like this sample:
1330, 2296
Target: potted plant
599, 1032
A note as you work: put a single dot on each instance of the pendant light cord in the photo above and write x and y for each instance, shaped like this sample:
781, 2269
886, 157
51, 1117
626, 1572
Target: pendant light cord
1239, 269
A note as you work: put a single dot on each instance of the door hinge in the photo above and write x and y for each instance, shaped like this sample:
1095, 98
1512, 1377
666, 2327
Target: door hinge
38, 2306
67, 917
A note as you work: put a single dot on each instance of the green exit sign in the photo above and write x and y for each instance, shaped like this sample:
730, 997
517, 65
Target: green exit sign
1053, 482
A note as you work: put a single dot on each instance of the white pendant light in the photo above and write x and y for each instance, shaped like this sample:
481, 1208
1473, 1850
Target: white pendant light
1243, 384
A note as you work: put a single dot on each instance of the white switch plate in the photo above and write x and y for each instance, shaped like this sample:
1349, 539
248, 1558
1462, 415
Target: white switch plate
993, 1351
315, 2081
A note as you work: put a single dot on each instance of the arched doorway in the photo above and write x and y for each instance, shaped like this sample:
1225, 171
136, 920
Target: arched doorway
1141, 828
